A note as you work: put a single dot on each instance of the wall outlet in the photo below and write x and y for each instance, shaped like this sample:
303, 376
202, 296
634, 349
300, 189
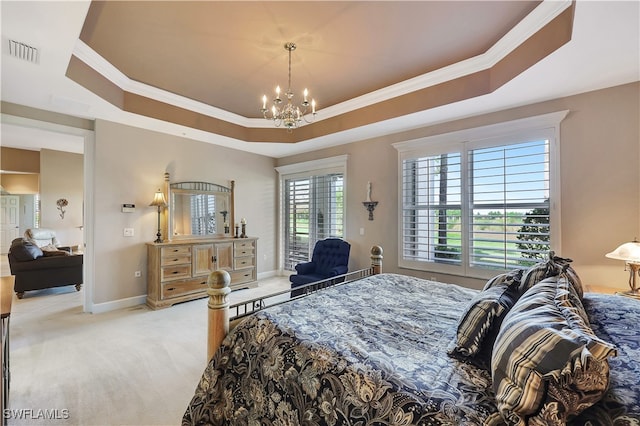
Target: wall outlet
137, 274
128, 232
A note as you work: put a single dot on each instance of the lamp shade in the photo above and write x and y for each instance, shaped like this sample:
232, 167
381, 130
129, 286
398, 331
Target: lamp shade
159, 200
629, 252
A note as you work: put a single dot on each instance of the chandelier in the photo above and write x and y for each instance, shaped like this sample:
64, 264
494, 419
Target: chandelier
288, 115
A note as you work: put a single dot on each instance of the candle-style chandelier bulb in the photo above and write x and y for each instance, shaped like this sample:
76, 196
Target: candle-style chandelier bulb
289, 115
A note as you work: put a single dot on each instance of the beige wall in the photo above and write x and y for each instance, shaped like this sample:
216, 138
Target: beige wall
53, 174
129, 167
19, 160
61, 176
600, 150
600, 182
20, 183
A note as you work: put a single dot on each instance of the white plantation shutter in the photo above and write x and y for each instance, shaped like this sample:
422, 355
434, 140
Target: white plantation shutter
203, 215
431, 211
509, 206
313, 210
480, 200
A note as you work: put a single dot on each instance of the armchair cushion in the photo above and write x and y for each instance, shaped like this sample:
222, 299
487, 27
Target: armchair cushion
305, 268
24, 250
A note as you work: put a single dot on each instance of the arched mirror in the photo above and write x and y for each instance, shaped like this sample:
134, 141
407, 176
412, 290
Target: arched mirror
200, 209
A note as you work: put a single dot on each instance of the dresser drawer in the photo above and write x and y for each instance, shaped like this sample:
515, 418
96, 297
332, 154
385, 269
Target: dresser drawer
175, 250
175, 272
242, 276
243, 262
176, 259
244, 248
239, 252
173, 289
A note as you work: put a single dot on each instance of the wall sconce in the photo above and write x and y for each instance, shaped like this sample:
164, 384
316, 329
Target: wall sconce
368, 204
62, 203
160, 202
630, 253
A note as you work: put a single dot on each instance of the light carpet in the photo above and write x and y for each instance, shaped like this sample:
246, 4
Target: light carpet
133, 366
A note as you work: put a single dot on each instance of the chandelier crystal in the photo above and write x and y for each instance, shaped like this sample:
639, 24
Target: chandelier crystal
289, 115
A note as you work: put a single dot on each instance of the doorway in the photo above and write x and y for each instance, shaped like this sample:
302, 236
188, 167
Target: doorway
9, 220
77, 221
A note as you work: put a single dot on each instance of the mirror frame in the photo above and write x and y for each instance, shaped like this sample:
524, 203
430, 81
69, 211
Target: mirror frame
196, 187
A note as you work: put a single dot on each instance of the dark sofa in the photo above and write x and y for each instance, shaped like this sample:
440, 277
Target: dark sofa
35, 269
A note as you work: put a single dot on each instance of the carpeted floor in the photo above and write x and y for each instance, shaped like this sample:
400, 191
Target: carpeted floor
128, 367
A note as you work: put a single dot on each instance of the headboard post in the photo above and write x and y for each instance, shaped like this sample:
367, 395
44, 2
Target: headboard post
376, 259
218, 305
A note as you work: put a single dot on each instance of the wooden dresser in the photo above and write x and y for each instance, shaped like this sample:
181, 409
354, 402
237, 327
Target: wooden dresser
178, 270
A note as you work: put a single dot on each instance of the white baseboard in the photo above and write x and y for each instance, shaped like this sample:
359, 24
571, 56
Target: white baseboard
98, 308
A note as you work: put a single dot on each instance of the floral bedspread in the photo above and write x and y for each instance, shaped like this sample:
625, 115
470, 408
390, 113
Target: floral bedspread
371, 352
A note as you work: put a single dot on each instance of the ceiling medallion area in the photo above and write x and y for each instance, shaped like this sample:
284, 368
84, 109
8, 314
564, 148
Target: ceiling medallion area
289, 115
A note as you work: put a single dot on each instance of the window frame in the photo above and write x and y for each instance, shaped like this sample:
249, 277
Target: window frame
305, 169
546, 126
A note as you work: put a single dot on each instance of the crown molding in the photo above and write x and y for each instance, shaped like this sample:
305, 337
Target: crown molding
532, 23
87, 55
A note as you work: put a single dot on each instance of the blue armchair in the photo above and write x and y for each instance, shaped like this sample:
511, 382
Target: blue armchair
330, 258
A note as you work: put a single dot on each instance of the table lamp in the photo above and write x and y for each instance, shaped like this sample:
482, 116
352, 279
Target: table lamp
160, 202
630, 253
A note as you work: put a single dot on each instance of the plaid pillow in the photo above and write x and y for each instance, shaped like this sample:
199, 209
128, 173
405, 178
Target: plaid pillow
545, 343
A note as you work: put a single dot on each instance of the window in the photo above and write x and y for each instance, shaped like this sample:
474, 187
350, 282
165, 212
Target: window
480, 200
37, 215
312, 207
203, 217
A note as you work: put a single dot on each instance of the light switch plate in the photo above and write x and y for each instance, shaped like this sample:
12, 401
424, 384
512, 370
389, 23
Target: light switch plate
128, 232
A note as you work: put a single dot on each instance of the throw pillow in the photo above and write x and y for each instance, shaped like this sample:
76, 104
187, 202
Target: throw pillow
24, 250
52, 253
479, 324
510, 278
550, 268
545, 343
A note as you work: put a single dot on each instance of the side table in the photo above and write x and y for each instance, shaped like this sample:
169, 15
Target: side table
6, 296
611, 290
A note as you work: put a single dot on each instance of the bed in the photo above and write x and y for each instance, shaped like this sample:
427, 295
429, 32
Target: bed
385, 350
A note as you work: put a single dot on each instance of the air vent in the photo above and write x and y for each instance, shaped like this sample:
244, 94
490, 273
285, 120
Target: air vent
23, 51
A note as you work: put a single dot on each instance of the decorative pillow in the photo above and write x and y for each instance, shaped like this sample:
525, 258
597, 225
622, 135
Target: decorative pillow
24, 250
50, 253
479, 324
511, 278
546, 361
550, 268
